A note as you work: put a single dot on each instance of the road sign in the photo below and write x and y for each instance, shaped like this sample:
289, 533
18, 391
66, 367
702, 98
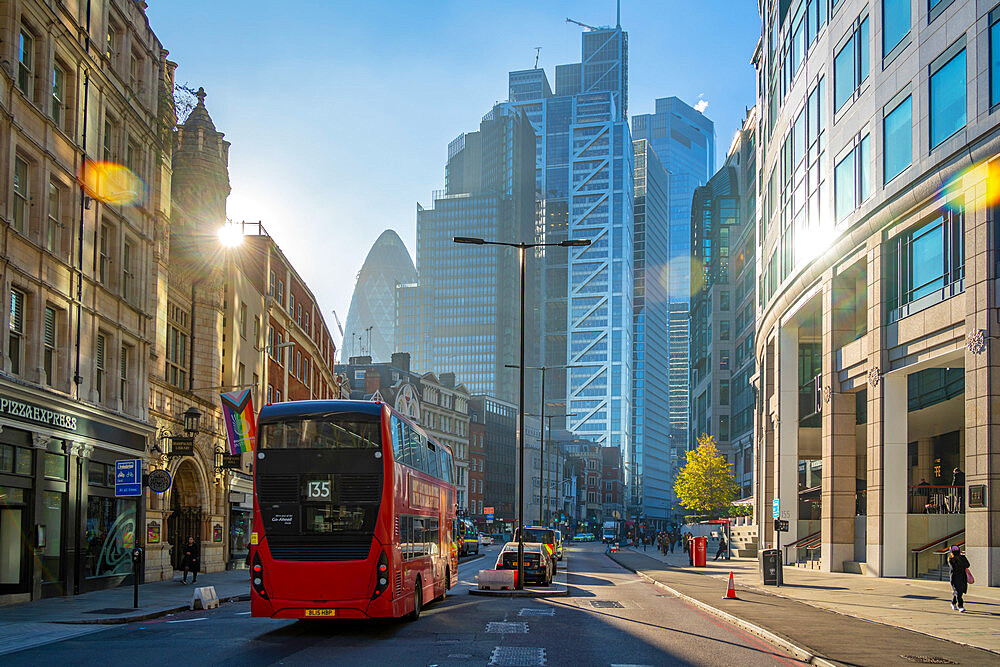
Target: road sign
128, 478
489, 515
775, 508
487, 510
159, 481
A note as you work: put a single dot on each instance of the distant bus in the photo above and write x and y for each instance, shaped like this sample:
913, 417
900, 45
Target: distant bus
353, 513
468, 538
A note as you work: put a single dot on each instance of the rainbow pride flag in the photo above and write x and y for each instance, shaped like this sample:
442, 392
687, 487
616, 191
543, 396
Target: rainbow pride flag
241, 424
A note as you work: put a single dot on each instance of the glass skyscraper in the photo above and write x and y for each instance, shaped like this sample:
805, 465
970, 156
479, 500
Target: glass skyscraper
684, 140
462, 314
583, 175
649, 479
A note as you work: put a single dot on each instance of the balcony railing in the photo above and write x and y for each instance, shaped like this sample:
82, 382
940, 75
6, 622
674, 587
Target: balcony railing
929, 499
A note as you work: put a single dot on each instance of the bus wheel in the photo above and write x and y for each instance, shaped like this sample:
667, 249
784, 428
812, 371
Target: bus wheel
418, 600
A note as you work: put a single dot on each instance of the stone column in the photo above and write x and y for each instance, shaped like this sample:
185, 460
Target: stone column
787, 446
764, 448
982, 381
886, 440
837, 445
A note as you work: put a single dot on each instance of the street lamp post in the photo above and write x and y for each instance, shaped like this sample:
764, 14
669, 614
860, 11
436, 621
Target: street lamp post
521, 247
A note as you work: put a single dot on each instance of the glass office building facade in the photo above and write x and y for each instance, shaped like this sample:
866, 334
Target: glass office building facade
684, 140
583, 176
648, 477
462, 315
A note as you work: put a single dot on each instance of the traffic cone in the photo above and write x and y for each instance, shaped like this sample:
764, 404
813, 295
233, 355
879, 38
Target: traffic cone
731, 590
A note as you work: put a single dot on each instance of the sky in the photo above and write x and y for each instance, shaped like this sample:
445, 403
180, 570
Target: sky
340, 113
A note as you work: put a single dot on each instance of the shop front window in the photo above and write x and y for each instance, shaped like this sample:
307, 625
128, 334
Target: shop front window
111, 526
13, 510
239, 535
51, 519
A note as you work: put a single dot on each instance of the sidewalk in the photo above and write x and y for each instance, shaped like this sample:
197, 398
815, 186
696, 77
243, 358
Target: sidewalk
831, 613
114, 605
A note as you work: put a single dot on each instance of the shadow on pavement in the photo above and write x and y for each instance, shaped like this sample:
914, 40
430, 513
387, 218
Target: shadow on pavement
584, 580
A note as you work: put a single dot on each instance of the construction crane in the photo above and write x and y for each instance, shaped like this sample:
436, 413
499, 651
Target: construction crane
538, 52
583, 25
340, 329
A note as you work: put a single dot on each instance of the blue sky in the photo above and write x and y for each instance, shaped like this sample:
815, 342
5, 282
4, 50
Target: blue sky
340, 113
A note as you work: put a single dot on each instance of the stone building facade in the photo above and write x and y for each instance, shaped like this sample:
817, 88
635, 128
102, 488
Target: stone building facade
876, 328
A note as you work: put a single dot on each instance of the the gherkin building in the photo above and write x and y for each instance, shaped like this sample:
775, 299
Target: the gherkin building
371, 320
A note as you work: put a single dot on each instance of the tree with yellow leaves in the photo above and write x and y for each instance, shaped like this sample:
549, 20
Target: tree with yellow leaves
706, 483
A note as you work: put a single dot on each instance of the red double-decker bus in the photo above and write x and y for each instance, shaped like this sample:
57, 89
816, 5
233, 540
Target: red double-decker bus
354, 509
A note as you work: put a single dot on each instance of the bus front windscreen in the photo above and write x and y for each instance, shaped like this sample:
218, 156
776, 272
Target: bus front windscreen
326, 432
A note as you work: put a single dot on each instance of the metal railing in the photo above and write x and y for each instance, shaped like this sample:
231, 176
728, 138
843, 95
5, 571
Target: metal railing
930, 499
944, 545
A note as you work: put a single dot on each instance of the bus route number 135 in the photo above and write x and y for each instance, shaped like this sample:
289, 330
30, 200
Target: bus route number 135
318, 490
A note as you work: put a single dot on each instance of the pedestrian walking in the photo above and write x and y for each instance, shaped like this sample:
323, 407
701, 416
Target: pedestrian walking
721, 551
191, 560
960, 577
689, 548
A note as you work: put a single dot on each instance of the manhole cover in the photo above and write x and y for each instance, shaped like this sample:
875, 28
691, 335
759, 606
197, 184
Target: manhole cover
607, 604
928, 660
536, 612
111, 610
517, 656
507, 628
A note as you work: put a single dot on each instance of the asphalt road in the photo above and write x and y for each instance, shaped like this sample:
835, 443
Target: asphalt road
611, 617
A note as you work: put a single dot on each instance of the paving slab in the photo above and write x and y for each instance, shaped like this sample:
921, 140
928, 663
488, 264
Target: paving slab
822, 633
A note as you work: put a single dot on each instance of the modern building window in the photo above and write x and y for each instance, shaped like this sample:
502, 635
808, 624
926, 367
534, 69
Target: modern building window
15, 332
100, 361
852, 179
25, 61
53, 229
723, 360
49, 346
177, 345
723, 392
850, 66
21, 195
898, 139
927, 262
936, 7
948, 88
723, 427
895, 24
58, 95
995, 57
724, 328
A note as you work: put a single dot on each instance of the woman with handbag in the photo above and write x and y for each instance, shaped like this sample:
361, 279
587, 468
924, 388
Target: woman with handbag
960, 577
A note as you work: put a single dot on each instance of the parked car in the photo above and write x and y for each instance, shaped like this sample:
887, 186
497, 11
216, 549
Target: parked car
546, 536
485, 539
583, 537
538, 567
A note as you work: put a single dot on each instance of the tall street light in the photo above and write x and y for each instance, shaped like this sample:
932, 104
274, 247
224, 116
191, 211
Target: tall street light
541, 415
521, 247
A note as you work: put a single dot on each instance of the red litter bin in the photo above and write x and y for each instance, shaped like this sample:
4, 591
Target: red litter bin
700, 551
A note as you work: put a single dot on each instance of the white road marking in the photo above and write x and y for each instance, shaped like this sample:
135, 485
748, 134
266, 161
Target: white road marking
243, 613
188, 620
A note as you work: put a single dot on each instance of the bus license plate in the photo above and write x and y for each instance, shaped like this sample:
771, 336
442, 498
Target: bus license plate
321, 612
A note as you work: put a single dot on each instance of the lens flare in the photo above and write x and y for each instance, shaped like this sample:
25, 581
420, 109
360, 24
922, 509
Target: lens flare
111, 183
230, 236
976, 187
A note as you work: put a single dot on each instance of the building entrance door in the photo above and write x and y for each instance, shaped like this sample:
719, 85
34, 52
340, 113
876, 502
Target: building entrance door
183, 522
14, 558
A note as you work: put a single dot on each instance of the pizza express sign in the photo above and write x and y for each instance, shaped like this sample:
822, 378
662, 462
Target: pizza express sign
36, 414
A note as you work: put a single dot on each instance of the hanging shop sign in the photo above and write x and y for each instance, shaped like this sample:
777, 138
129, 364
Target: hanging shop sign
159, 481
181, 446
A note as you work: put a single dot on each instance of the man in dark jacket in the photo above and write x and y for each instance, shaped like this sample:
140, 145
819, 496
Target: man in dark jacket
959, 565
192, 560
